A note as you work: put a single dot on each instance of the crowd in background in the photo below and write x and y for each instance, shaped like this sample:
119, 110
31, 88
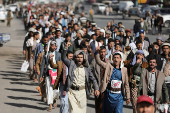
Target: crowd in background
110, 62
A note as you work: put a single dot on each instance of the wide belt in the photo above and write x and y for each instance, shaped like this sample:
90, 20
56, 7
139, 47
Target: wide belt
114, 89
77, 88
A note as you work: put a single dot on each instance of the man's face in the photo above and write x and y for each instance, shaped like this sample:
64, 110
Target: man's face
159, 42
111, 45
115, 30
128, 34
84, 30
121, 33
142, 36
141, 19
118, 48
165, 50
119, 25
58, 34
117, 41
102, 53
139, 46
101, 33
45, 49
87, 44
45, 40
52, 48
107, 35
68, 39
117, 60
145, 107
85, 50
79, 59
94, 37
78, 34
140, 56
70, 56
75, 27
152, 63
56, 23
37, 36
108, 24
97, 32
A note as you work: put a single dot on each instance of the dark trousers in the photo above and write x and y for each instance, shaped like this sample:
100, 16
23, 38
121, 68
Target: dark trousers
98, 103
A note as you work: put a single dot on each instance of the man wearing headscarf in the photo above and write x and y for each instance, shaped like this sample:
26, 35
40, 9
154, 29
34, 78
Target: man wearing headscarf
77, 81
114, 84
51, 94
138, 64
79, 39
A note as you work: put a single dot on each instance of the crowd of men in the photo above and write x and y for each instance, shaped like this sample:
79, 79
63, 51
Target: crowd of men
110, 63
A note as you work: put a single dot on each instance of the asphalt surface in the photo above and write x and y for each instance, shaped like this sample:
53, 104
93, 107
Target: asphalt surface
17, 92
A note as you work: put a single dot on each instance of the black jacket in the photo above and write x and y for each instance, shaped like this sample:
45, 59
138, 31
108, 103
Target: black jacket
136, 27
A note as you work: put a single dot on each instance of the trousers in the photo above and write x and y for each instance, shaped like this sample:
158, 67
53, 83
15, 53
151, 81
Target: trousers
133, 93
64, 106
98, 103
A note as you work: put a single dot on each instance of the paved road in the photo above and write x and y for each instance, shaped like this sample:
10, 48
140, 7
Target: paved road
17, 92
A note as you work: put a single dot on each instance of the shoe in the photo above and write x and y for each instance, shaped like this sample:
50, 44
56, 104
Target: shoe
35, 80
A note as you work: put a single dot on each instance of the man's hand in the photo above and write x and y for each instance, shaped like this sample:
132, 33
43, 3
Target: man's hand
168, 59
34, 68
97, 93
24, 52
139, 61
38, 73
97, 49
64, 93
68, 44
51, 56
127, 101
41, 79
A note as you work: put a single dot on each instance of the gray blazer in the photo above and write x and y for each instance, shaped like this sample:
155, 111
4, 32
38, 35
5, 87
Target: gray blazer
70, 78
45, 62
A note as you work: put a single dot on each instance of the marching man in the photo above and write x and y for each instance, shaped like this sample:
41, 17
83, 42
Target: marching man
114, 84
79, 74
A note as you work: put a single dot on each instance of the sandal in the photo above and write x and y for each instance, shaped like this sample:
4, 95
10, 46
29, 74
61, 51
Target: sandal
49, 109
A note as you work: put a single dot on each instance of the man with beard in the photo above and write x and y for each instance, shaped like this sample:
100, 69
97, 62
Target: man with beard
98, 71
114, 84
67, 39
79, 74
64, 106
137, 65
109, 48
49, 88
152, 84
108, 35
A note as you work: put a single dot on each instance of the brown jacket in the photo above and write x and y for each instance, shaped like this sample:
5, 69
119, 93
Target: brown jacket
108, 73
161, 89
39, 61
166, 69
96, 69
59, 67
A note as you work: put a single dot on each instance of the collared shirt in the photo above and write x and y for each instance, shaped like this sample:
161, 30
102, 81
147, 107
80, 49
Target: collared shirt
152, 81
59, 41
46, 30
142, 24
